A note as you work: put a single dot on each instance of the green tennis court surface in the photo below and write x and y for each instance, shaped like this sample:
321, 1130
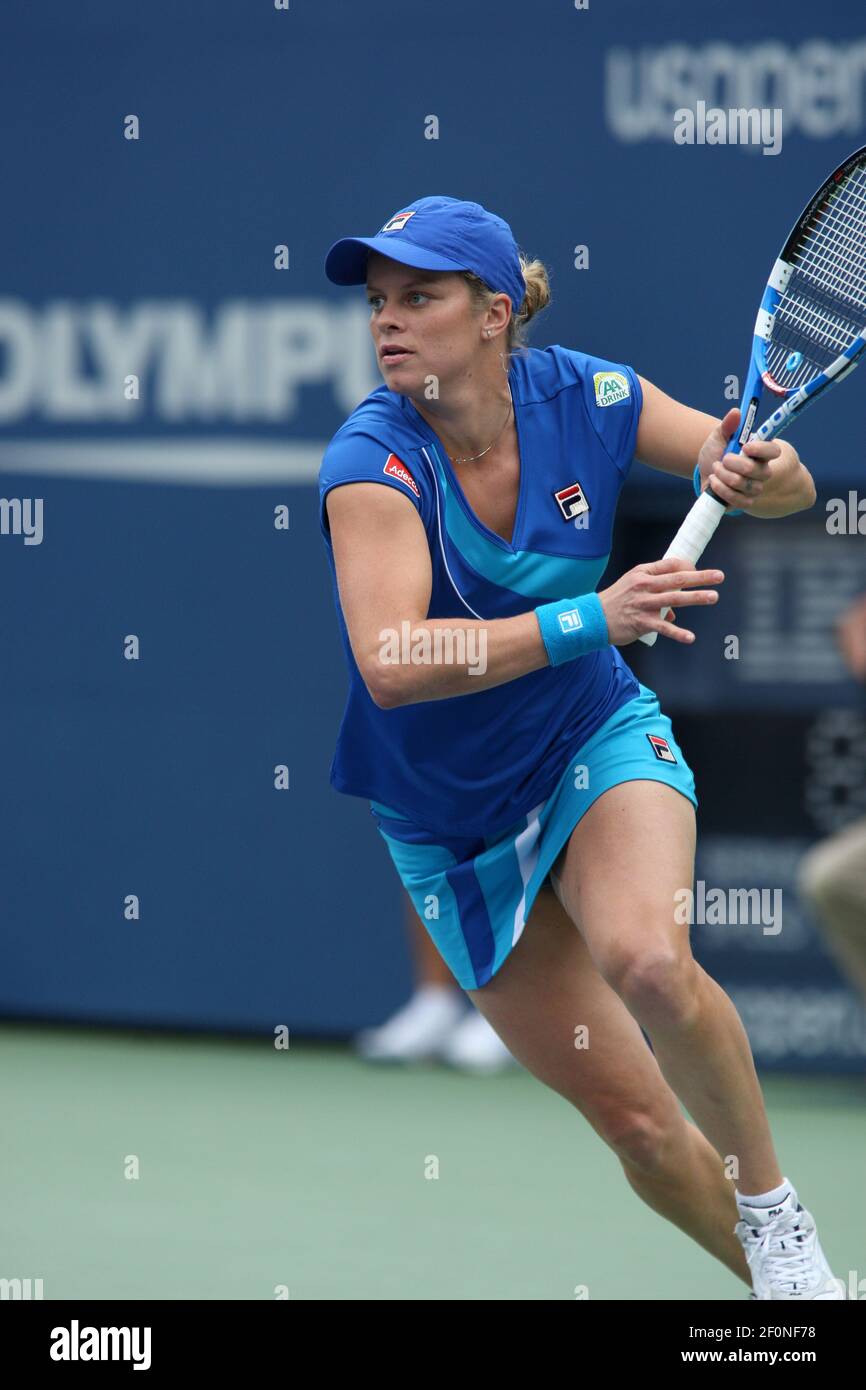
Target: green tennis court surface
307, 1168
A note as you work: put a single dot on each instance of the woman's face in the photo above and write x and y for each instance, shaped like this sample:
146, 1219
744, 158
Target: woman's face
428, 315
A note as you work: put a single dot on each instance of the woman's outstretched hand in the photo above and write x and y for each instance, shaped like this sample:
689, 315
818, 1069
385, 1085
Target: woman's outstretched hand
631, 605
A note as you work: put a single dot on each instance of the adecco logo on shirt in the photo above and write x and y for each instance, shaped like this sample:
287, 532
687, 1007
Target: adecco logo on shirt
397, 469
610, 387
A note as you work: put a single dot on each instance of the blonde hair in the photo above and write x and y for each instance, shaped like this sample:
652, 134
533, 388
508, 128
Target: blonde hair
537, 296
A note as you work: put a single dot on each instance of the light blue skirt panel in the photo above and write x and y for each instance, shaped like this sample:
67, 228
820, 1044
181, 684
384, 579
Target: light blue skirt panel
474, 895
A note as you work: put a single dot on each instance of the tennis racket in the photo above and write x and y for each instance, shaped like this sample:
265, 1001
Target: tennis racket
809, 334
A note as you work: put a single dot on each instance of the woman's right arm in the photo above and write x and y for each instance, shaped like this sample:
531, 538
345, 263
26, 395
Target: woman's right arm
382, 561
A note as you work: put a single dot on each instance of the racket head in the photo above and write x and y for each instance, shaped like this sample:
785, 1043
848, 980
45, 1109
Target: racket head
810, 331
812, 320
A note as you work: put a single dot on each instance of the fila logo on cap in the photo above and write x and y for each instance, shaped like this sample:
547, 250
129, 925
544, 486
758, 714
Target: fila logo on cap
397, 469
398, 221
661, 747
571, 501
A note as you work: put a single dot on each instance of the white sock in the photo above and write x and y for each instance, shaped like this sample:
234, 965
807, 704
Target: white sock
766, 1199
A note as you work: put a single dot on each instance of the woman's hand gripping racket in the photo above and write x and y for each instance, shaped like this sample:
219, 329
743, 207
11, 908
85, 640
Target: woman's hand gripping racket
809, 333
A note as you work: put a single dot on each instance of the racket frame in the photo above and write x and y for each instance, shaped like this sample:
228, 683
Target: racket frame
704, 517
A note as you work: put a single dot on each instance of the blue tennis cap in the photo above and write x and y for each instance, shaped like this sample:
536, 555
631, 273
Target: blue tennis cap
437, 233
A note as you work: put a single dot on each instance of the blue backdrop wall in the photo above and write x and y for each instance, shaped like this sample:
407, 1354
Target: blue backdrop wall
155, 257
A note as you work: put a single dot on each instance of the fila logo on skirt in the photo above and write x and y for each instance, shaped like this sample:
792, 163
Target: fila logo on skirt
661, 748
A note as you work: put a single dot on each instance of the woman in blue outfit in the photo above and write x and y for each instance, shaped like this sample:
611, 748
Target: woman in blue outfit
531, 792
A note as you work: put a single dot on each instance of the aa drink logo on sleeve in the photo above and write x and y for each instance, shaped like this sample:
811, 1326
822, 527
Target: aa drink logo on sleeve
610, 387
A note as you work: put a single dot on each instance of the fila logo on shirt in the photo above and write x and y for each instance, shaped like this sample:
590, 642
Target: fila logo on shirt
395, 468
398, 221
572, 501
661, 747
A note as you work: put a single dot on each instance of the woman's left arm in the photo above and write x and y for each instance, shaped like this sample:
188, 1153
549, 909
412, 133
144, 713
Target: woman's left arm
765, 479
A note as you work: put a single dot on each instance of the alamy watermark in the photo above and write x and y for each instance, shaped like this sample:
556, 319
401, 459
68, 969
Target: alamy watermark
738, 125
21, 1289
846, 516
77, 1343
22, 516
434, 646
731, 906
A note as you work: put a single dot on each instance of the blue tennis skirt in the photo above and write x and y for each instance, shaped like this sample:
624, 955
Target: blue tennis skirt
474, 895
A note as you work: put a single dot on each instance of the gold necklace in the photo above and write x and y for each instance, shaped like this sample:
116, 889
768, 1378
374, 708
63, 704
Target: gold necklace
470, 458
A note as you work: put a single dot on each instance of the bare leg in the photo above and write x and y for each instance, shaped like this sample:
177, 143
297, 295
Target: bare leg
549, 987
626, 861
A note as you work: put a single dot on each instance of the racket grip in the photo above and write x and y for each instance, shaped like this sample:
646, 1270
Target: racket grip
692, 539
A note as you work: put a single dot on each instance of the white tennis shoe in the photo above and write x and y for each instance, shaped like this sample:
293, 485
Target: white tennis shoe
475, 1047
418, 1031
784, 1254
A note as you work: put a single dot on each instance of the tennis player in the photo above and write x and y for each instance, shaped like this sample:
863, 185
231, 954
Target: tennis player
504, 745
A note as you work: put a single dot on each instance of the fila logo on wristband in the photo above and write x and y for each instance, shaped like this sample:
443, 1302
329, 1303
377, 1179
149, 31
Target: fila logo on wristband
571, 627
571, 501
661, 748
570, 621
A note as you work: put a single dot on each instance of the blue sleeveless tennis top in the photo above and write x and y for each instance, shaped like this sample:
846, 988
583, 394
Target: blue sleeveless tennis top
474, 764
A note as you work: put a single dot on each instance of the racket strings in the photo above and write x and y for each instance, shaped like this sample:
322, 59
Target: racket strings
835, 266
833, 249
809, 333
844, 280
823, 308
779, 355
841, 221
813, 322
808, 364
821, 322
